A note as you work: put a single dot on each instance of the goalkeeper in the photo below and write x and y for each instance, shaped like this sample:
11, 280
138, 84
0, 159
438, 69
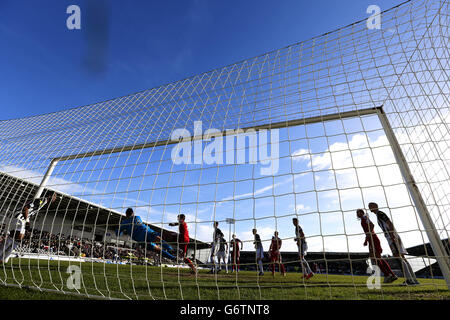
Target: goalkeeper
143, 234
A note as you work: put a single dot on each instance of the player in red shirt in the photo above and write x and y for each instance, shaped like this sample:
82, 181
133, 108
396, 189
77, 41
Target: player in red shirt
375, 249
235, 253
275, 255
183, 240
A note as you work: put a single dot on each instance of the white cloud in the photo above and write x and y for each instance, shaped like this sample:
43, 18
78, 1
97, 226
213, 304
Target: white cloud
374, 176
54, 183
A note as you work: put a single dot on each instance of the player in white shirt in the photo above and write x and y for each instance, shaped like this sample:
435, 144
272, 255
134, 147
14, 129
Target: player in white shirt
222, 253
259, 251
217, 234
302, 248
395, 243
18, 223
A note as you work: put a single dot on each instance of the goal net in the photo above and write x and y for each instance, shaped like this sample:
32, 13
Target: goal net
268, 159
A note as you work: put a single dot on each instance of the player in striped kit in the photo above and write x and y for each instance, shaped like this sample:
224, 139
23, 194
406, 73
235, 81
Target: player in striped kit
375, 249
259, 251
395, 243
18, 223
302, 248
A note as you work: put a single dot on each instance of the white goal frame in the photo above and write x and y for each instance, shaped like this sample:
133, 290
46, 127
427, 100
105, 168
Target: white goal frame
430, 228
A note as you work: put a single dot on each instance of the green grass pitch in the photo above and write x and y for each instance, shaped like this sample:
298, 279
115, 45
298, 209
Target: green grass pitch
140, 282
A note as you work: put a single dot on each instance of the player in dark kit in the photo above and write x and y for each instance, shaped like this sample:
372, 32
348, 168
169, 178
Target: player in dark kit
302, 246
375, 249
259, 251
183, 240
217, 234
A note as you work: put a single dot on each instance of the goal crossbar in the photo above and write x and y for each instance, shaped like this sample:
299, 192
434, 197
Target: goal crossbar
275, 125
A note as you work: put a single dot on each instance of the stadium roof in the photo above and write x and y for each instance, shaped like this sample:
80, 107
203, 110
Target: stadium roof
15, 192
426, 250
329, 256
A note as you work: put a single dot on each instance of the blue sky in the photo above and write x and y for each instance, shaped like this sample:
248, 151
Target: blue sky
143, 44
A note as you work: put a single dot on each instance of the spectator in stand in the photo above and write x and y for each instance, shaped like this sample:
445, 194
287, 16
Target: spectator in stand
19, 220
